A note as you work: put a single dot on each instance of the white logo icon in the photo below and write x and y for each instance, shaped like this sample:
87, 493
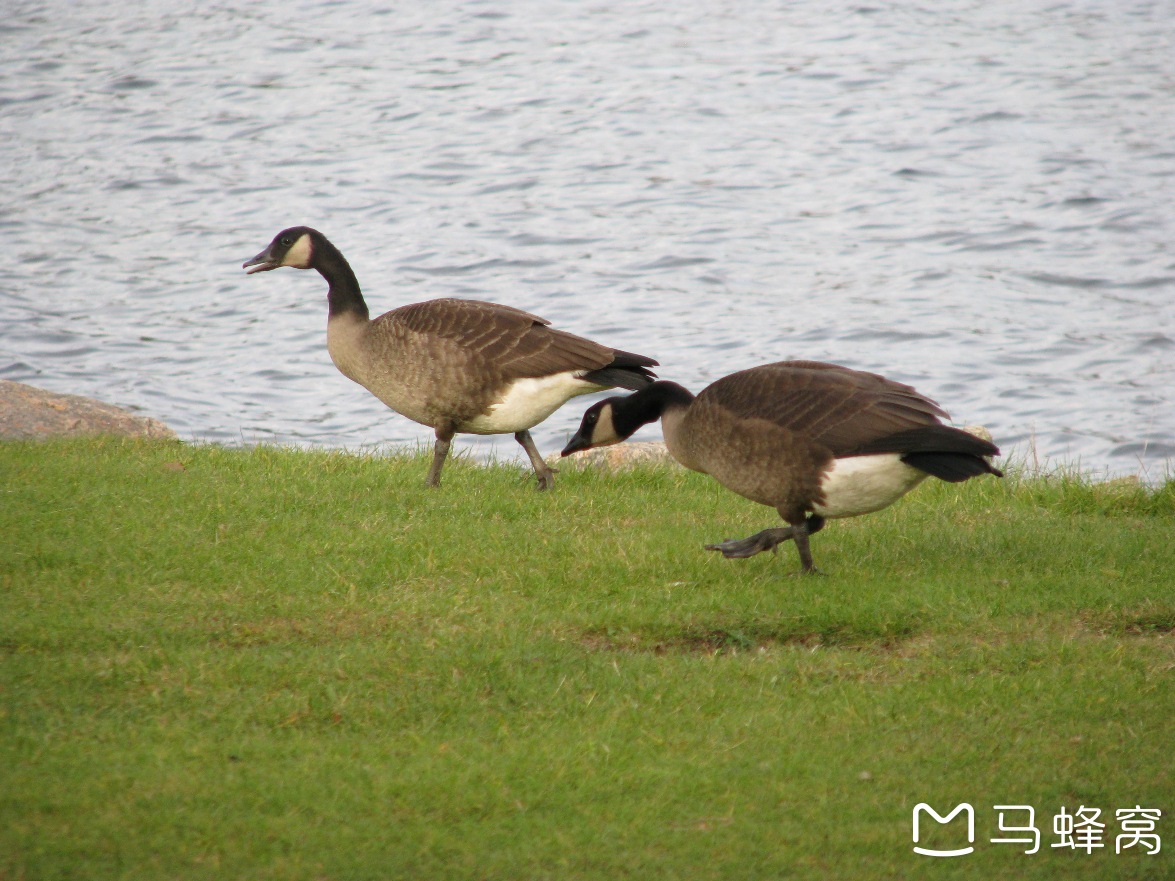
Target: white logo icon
962, 808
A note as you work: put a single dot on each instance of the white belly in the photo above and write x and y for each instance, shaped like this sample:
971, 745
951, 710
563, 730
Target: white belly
527, 402
861, 484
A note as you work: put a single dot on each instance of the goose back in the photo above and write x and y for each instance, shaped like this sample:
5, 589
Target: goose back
775, 433
472, 366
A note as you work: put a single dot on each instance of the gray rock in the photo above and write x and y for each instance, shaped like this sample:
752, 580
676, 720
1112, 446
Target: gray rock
30, 413
619, 456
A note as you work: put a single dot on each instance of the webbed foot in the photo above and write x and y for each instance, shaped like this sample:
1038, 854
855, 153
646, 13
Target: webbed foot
546, 479
741, 548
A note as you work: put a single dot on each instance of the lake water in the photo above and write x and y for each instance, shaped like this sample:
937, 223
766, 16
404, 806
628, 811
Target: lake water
974, 197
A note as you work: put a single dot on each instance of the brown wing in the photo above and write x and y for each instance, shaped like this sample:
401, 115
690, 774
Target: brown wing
435, 316
517, 343
838, 408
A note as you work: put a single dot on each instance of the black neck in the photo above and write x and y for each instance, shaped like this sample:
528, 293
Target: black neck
648, 405
344, 294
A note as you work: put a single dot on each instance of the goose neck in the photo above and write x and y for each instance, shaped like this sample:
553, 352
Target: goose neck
344, 295
655, 401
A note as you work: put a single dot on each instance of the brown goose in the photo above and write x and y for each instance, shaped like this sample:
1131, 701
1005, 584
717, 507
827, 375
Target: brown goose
814, 441
455, 365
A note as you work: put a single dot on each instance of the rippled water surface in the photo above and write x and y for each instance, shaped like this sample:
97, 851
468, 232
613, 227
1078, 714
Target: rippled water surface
975, 197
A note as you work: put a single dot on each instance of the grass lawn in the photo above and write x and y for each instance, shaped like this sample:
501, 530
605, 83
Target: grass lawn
284, 664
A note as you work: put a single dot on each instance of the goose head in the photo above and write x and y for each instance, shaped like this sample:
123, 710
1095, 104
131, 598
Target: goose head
616, 419
290, 247
597, 428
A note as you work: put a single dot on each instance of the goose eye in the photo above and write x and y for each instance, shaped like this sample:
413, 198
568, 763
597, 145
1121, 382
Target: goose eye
286, 241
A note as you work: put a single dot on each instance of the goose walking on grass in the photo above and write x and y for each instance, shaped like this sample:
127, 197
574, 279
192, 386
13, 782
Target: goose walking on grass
814, 441
457, 366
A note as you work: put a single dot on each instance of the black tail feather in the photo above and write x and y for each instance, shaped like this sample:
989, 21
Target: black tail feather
930, 439
950, 454
627, 370
951, 467
632, 378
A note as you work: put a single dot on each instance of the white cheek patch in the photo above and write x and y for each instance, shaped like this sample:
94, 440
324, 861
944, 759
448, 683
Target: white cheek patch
861, 484
604, 432
527, 402
300, 255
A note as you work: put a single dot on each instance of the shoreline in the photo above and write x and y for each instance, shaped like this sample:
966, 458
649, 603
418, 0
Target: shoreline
31, 413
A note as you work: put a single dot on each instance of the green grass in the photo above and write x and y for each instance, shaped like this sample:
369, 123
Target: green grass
277, 664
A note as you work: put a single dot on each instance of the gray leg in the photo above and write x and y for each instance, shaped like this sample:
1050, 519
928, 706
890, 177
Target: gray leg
740, 548
803, 529
801, 539
768, 539
544, 473
439, 454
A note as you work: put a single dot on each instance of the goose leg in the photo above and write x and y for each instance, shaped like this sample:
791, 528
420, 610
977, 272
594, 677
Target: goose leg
801, 539
803, 529
740, 548
768, 539
544, 472
439, 454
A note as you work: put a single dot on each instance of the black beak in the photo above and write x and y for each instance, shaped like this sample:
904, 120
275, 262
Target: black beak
579, 442
261, 263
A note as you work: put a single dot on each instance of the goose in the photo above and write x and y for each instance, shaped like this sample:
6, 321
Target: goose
815, 441
455, 365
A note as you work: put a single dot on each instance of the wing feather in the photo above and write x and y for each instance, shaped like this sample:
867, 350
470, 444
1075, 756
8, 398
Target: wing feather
836, 407
518, 344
